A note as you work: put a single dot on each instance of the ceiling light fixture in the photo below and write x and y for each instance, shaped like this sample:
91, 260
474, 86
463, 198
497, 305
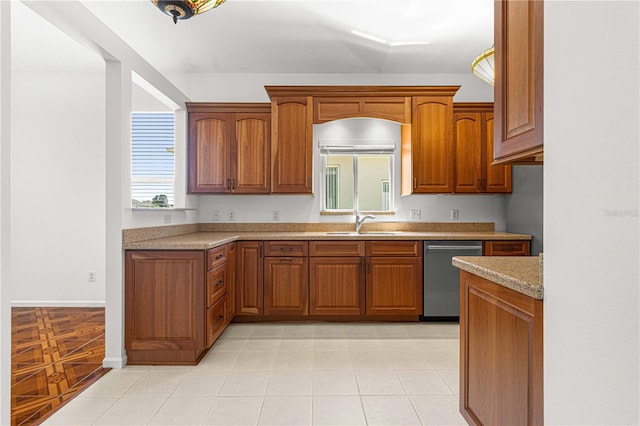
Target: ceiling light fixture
185, 9
483, 66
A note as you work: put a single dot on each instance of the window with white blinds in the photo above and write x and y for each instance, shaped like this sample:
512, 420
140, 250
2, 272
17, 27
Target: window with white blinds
152, 159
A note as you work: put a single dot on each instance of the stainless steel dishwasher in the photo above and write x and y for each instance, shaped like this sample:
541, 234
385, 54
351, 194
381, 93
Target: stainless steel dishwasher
441, 289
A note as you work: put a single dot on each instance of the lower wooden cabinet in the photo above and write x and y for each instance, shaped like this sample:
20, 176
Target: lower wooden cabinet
501, 364
249, 278
335, 280
175, 304
394, 286
336, 286
286, 286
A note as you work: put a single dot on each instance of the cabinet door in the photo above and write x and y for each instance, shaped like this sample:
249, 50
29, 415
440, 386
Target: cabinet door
432, 144
286, 286
251, 154
164, 306
336, 285
209, 152
500, 354
468, 159
394, 286
518, 86
216, 320
497, 178
506, 248
249, 278
291, 145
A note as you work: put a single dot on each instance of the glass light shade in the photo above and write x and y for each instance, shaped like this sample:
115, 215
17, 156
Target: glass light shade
483, 66
185, 9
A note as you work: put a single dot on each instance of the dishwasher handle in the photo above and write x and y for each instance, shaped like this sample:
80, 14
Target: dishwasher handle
454, 247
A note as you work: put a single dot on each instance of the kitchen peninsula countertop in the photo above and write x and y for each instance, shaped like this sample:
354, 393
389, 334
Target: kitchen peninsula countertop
520, 273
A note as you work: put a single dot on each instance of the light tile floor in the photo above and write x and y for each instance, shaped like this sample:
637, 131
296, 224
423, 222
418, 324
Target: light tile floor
290, 374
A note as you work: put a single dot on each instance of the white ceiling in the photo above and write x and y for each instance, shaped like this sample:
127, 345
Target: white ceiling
267, 36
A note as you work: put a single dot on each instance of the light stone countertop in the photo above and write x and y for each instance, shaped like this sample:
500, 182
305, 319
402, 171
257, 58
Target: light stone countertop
520, 273
208, 240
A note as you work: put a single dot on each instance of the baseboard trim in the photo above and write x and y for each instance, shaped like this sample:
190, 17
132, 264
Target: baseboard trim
114, 362
58, 303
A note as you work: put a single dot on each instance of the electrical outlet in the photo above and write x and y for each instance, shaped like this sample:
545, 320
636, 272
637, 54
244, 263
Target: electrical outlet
92, 276
455, 214
231, 215
415, 215
215, 215
167, 218
276, 215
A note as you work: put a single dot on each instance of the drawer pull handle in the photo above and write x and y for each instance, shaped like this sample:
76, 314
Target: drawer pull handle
220, 256
219, 283
286, 248
220, 318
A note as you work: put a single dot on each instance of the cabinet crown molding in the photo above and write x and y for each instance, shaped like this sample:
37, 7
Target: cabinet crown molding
228, 107
361, 90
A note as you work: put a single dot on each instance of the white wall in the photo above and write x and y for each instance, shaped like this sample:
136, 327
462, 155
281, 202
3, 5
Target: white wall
525, 205
58, 209
591, 200
209, 87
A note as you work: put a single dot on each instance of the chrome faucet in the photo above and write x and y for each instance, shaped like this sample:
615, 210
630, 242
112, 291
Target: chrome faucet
360, 220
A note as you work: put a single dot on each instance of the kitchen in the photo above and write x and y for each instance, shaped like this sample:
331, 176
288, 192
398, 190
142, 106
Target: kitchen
563, 234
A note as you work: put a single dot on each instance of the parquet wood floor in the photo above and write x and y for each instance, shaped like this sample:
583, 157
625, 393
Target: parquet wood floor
56, 353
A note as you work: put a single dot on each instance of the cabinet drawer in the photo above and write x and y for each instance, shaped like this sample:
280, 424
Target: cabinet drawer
336, 248
216, 284
394, 248
216, 256
286, 248
506, 248
215, 321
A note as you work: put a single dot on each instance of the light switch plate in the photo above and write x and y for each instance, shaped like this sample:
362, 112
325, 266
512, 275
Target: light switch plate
455, 214
216, 215
415, 215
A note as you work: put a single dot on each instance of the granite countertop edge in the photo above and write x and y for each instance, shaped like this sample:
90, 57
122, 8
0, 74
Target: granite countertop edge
208, 240
518, 273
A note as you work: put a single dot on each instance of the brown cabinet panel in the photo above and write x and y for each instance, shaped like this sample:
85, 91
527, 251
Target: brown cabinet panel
336, 248
432, 144
475, 172
468, 160
501, 365
231, 281
506, 248
251, 170
229, 151
518, 86
393, 248
216, 284
286, 285
388, 108
216, 320
216, 256
209, 152
291, 144
336, 286
286, 248
394, 286
164, 306
249, 278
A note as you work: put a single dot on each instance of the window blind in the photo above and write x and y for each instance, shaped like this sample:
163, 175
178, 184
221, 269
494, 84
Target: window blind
152, 159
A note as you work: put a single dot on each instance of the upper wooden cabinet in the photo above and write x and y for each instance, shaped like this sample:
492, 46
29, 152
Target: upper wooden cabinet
518, 91
292, 144
229, 148
431, 146
473, 134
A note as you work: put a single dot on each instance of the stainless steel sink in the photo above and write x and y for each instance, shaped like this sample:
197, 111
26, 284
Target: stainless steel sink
353, 233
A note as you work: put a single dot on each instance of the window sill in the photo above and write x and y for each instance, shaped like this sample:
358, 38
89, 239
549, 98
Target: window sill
161, 209
351, 213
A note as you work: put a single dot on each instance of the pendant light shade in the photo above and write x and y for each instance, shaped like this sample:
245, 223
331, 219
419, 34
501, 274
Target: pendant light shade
483, 67
185, 9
